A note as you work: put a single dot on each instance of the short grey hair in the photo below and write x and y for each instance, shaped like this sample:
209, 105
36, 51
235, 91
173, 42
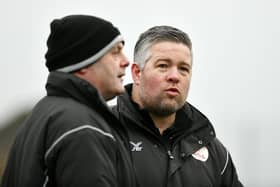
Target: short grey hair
155, 35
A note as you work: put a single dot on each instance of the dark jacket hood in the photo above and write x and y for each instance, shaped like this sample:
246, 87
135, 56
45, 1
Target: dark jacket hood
196, 121
68, 85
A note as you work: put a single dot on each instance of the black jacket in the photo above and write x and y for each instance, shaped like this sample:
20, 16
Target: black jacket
70, 139
187, 154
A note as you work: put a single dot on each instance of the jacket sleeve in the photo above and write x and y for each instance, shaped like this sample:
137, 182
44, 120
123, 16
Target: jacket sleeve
83, 158
228, 173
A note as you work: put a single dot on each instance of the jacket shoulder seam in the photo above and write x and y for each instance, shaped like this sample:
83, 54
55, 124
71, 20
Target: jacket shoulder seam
67, 133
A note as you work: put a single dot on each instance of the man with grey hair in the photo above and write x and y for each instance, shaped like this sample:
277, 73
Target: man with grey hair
172, 143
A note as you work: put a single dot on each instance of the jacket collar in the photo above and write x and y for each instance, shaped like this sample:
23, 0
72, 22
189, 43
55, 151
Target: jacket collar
188, 118
68, 85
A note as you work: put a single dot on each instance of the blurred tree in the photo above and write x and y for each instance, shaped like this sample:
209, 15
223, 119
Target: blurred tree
7, 135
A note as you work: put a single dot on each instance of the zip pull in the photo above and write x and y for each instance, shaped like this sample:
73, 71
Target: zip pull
170, 155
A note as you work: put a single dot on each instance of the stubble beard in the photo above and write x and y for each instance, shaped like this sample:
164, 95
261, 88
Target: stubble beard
160, 106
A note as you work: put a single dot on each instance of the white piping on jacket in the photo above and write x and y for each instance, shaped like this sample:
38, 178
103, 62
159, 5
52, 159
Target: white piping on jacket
76, 130
222, 172
71, 132
46, 181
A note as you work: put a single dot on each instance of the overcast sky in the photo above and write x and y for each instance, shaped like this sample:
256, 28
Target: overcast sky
236, 64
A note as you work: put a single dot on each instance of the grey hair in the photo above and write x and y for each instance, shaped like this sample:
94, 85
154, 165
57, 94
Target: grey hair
154, 35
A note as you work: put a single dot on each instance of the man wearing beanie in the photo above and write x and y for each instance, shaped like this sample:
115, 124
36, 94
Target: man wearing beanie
71, 138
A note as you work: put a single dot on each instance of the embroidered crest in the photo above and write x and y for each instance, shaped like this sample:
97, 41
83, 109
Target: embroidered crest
136, 146
202, 154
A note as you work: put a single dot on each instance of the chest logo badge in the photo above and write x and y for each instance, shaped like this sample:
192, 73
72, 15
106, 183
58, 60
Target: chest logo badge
136, 146
202, 154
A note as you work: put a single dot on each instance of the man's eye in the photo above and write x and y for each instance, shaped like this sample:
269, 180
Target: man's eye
116, 51
163, 65
185, 69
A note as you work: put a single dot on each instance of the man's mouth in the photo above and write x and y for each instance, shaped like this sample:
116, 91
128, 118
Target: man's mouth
172, 91
120, 76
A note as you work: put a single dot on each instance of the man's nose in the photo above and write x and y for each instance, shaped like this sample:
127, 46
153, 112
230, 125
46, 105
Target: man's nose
173, 75
124, 61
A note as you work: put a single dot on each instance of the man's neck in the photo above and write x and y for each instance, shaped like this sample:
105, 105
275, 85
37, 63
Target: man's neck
163, 123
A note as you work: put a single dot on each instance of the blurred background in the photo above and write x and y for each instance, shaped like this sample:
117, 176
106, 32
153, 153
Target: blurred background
235, 73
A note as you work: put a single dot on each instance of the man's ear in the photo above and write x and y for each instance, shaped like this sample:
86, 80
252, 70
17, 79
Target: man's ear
136, 73
81, 72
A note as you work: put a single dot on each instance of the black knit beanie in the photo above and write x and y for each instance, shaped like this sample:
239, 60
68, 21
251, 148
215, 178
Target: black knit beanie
77, 41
